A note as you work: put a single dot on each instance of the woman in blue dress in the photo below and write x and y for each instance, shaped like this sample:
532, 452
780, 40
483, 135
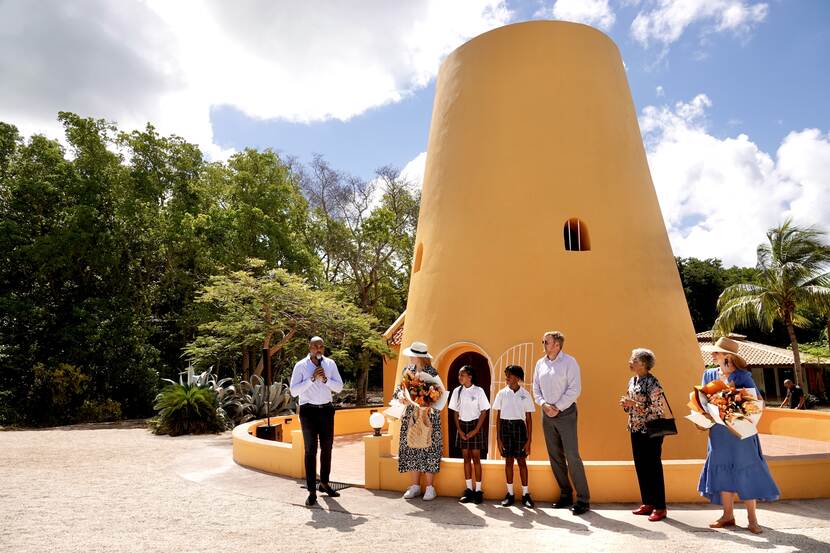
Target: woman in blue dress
734, 468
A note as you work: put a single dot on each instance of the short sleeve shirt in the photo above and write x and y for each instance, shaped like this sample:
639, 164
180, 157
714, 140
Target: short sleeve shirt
469, 402
513, 405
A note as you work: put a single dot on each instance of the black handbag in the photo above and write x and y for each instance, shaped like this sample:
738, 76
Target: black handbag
658, 428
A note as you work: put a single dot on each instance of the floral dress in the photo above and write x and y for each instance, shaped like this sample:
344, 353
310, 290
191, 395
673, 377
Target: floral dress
419, 459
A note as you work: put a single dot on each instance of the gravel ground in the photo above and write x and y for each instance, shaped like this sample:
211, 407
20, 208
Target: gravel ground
119, 488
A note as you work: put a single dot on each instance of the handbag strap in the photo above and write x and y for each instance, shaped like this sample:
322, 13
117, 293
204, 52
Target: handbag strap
663, 393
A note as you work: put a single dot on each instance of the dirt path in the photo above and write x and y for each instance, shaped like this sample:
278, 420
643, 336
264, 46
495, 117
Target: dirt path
121, 489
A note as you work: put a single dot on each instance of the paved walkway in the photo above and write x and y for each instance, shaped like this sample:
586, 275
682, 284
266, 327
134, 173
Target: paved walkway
119, 490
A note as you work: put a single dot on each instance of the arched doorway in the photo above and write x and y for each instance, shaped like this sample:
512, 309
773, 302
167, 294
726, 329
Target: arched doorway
481, 378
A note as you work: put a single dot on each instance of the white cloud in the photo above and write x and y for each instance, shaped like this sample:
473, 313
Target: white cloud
591, 12
668, 19
659, 91
170, 63
414, 170
719, 196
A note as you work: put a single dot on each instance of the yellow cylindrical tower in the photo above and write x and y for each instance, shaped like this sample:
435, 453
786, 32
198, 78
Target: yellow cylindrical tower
538, 213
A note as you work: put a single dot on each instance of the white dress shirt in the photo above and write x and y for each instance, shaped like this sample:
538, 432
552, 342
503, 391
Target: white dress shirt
469, 402
556, 382
315, 391
512, 406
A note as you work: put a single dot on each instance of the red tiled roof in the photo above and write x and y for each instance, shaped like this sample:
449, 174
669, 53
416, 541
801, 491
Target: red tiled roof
394, 334
706, 336
762, 355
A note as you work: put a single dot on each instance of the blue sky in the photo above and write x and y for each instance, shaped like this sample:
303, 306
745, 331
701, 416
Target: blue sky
764, 83
732, 95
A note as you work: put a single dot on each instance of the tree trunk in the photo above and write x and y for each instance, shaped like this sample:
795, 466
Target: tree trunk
364, 362
246, 363
798, 374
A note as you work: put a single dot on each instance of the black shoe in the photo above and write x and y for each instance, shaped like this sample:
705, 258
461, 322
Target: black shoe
564, 502
527, 501
468, 497
311, 500
328, 490
580, 508
478, 497
508, 500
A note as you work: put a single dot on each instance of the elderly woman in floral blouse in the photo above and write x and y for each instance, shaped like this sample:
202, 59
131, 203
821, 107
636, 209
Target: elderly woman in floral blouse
645, 402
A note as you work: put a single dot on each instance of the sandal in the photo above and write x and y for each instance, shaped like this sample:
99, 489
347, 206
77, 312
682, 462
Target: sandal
755, 528
723, 523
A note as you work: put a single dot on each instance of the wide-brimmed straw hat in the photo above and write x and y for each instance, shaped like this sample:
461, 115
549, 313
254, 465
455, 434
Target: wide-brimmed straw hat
727, 345
417, 349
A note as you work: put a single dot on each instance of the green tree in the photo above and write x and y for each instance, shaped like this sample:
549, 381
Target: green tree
792, 276
364, 233
703, 281
257, 308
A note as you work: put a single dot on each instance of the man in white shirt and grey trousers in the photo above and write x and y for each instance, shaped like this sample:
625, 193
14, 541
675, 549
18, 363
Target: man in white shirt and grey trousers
556, 385
314, 379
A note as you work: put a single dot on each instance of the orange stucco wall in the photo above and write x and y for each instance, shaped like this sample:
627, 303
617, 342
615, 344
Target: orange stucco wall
534, 124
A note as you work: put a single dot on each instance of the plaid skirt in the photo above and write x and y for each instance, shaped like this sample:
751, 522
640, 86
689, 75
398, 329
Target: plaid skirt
513, 434
479, 441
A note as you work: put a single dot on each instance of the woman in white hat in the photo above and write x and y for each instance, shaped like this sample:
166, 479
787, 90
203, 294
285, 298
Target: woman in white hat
734, 468
423, 457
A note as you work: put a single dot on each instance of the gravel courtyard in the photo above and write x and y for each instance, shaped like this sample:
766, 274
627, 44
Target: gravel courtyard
119, 488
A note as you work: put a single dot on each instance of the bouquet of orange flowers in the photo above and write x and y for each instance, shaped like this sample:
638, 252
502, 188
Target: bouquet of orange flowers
421, 389
717, 402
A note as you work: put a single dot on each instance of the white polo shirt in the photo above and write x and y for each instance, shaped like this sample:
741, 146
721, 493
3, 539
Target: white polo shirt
469, 402
512, 405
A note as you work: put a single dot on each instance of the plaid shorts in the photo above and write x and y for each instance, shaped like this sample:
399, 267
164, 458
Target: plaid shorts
513, 434
479, 441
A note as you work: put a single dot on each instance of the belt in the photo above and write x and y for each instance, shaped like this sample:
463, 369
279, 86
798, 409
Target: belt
316, 406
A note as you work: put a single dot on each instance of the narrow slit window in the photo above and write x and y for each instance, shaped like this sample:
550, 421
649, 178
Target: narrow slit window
576, 236
419, 254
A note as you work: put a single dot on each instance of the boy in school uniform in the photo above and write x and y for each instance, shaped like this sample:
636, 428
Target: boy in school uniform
513, 407
471, 406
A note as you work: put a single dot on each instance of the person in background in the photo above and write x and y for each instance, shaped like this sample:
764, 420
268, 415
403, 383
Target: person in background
795, 396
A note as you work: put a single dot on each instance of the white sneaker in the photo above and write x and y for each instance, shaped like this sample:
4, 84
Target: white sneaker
429, 494
412, 492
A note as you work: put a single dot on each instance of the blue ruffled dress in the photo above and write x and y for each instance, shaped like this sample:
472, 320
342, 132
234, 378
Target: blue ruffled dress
733, 464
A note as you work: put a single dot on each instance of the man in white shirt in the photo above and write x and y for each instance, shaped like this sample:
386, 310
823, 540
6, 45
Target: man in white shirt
556, 385
314, 380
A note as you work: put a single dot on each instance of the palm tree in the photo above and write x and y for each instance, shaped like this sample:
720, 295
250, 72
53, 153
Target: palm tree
792, 275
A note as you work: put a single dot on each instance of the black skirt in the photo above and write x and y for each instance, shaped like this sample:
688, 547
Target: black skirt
479, 441
513, 434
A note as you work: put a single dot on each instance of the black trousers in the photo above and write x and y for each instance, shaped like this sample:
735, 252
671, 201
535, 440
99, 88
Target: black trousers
317, 422
649, 466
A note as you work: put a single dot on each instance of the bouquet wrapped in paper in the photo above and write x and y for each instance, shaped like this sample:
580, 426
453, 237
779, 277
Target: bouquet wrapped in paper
421, 389
739, 409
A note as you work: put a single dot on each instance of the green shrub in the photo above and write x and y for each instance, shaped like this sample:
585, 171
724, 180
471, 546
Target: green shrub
99, 411
187, 409
56, 393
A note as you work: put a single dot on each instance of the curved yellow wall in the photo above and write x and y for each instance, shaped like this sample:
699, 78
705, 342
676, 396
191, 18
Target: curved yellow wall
533, 124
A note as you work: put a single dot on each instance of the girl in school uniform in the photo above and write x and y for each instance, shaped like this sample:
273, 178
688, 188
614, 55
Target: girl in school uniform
470, 405
513, 406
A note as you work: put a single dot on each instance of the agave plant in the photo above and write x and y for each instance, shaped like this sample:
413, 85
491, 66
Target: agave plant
257, 397
187, 409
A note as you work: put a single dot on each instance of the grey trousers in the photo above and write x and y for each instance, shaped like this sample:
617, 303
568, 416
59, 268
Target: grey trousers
563, 450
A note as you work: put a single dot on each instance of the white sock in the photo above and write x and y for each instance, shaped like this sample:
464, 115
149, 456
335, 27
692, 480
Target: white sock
415, 487
478, 486
524, 490
510, 488
428, 488
469, 483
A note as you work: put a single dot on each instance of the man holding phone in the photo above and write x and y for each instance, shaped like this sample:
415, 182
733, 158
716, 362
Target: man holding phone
314, 380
